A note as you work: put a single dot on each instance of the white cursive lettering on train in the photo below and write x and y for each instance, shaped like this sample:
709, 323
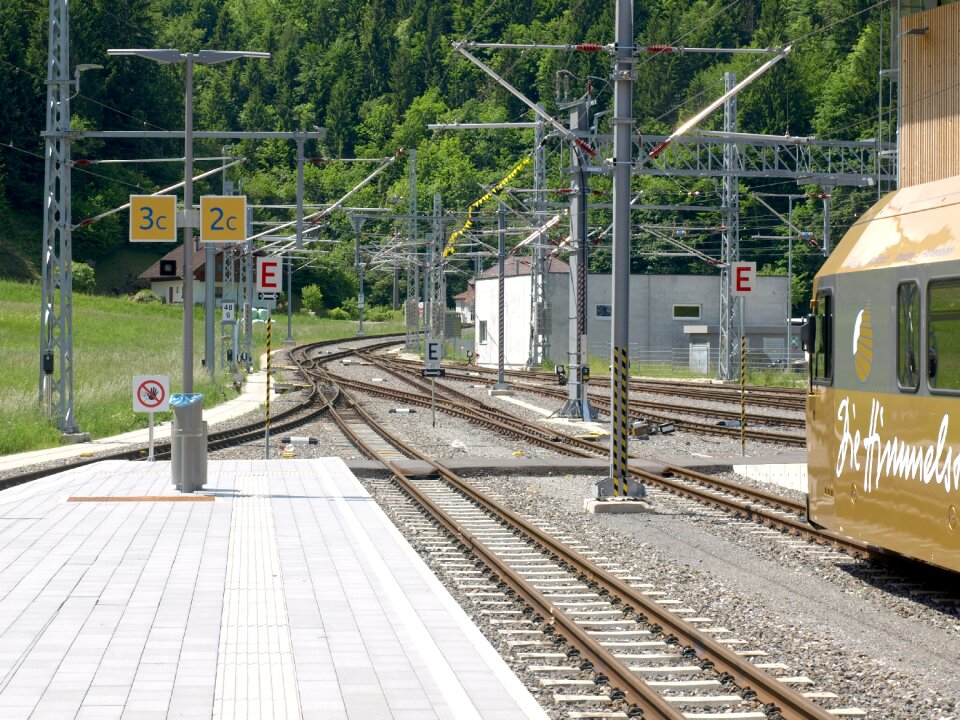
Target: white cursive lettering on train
884, 456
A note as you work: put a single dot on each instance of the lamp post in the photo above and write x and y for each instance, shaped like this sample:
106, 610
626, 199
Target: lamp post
190, 220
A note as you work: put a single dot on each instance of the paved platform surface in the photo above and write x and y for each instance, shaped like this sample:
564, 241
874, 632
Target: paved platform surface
289, 595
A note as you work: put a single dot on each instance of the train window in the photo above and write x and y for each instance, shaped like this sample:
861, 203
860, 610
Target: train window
822, 356
943, 335
908, 336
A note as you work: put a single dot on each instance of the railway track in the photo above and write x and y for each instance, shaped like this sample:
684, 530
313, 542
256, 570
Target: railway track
765, 508
597, 641
780, 398
638, 408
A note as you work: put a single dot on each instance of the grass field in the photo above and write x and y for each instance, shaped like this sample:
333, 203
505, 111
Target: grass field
113, 340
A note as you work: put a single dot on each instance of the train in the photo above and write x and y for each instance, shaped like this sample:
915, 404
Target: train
883, 401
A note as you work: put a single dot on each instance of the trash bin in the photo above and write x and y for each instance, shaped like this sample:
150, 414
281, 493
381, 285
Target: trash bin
188, 448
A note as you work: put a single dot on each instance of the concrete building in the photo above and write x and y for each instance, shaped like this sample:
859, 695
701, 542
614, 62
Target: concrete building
674, 319
517, 305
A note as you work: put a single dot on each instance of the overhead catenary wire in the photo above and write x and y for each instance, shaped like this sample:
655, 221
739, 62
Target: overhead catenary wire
90, 220
279, 246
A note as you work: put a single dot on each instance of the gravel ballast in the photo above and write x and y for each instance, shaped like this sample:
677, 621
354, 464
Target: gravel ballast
853, 633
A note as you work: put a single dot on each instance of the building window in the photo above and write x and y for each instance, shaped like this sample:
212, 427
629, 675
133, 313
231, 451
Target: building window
603, 312
822, 355
908, 336
943, 334
686, 312
482, 332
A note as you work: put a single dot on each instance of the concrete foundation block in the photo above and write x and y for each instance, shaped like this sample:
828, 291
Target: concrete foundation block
617, 505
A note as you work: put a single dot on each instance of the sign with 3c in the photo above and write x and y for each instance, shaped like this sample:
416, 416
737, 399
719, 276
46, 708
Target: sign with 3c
223, 218
153, 218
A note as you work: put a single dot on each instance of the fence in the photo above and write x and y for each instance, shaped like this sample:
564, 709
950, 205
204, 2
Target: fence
680, 362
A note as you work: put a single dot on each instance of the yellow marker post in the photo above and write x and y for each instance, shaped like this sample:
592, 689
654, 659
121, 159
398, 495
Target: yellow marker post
153, 218
223, 218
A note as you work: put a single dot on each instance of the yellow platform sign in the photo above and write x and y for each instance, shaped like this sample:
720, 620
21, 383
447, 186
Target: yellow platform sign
153, 218
223, 218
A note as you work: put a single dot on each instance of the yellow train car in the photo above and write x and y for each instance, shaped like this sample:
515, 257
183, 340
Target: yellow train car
883, 409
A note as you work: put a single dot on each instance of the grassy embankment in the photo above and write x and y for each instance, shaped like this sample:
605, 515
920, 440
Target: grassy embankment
113, 340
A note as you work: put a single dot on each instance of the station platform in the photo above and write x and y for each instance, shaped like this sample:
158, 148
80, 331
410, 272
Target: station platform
280, 591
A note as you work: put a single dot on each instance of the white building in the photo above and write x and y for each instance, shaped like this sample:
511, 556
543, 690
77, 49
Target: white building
673, 319
517, 320
169, 286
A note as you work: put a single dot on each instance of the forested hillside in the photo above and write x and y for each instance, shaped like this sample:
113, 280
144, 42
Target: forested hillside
375, 72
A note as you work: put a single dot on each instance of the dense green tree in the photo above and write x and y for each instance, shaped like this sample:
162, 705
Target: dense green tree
84, 280
374, 73
311, 297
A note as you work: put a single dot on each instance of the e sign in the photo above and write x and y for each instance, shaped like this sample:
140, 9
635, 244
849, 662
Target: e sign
743, 277
431, 356
269, 274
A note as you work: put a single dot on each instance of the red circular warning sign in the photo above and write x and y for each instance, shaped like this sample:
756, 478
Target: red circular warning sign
151, 394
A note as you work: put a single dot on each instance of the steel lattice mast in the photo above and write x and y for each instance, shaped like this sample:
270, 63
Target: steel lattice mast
538, 270
729, 346
56, 305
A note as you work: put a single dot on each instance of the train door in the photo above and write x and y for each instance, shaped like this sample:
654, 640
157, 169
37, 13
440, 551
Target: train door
820, 408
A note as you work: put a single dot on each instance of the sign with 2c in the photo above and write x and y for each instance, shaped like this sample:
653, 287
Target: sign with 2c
223, 218
153, 218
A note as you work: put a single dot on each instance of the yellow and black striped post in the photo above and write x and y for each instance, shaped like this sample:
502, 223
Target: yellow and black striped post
266, 424
743, 395
619, 420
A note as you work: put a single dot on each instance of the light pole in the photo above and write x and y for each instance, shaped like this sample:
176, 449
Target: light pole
190, 219
358, 222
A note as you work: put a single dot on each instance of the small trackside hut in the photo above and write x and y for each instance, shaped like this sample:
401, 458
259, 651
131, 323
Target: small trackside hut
883, 409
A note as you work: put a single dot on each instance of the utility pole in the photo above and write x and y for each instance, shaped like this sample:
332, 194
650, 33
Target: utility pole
289, 340
436, 324
357, 222
190, 217
413, 267
729, 346
577, 404
501, 388
538, 269
619, 481
230, 294
56, 304
248, 294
